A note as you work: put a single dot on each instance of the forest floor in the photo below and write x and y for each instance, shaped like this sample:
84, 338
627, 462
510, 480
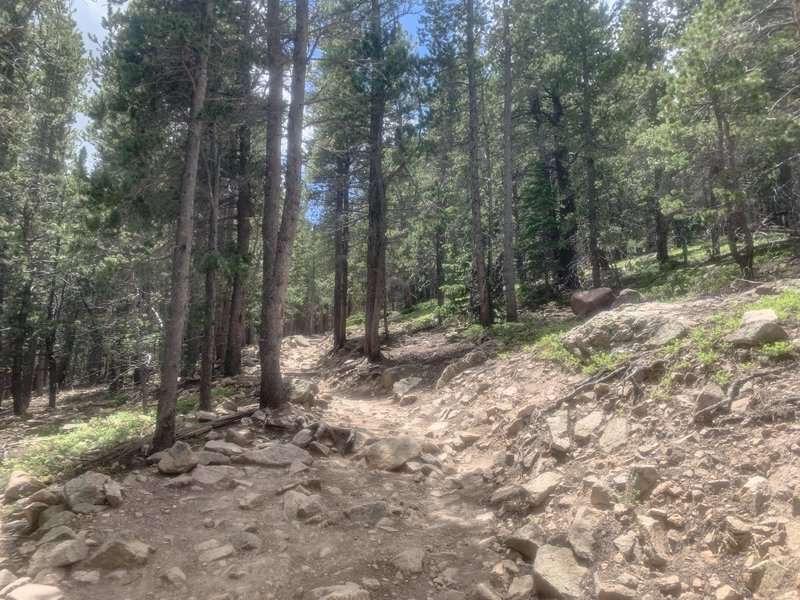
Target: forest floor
534, 474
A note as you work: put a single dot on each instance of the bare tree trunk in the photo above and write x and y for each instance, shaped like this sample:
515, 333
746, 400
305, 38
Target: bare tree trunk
244, 208
276, 280
509, 273
20, 392
376, 237
478, 256
340, 243
589, 164
438, 283
164, 435
207, 356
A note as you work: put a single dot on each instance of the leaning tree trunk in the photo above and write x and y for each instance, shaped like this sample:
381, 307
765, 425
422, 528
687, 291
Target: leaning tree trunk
478, 255
164, 435
376, 236
276, 280
209, 330
509, 273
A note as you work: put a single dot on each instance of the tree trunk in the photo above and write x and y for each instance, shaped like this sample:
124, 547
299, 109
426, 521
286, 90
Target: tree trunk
478, 256
438, 283
376, 194
207, 356
509, 273
566, 271
587, 126
276, 280
340, 243
20, 392
244, 208
164, 435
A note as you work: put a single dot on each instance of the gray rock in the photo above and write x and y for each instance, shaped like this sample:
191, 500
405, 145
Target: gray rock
710, 395
251, 500
348, 591
119, 554
6, 577
50, 496
582, 530
299, 506
409, 562
57, 554
627, 296
240, 437
390, 376
303, 438
32, 512
370, 512
591, 302
175, 576
654, 543
404, 386
541, 488
642, 479
615, 435
113, 493
226, 448
205, 416
216, 553
86, 577
759, 327
88, 488
557, 573
244, 541
214, 475
521, 588
206, 458
525, 540
390, 454
586, 427
20, 484
601, 494
178, 459
280, 455
57, 519
505, 494
35, 591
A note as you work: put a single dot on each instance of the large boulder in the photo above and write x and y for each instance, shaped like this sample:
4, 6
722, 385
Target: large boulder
759, 327
21, 484
178, 459
85, 491
390, 454
591, 302
558, 574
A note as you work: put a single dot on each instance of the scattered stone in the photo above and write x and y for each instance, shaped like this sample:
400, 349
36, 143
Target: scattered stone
240, 437
588, 303
615, 435
370, 512
557, 573
540, 489
206, 458
87, 489
120, 554
57, 554
214, 475
86, 577
49, 496
6, 578
180, 481
300, 506
205, 416
726, 592
178, 459
20, 485
280, 455
32, 512
506, 494
653, 539
390, 376
390, 454
586, 427
525, 540
251, 500
601, 495
670, 585
607, 590
484, 592
642, 479
113, 493
215, 554
348, 591
175, 576
244, 541
627, 296
404, 386
581, 532
521, 588
409, 562
56, 519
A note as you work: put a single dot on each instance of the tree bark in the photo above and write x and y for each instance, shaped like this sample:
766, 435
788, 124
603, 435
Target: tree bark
164, 435
209, 330
341, 243
244, 208
590, 167
276, 280
376, 194
509, 272
478, 255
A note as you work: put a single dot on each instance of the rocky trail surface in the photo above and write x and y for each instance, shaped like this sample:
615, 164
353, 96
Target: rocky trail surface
454, 471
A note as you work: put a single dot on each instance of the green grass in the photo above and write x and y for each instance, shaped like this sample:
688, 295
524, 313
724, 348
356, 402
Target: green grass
62, 450
780, 350
786, 305
187, 404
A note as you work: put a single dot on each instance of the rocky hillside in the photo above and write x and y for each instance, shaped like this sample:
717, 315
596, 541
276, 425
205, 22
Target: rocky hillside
651, 451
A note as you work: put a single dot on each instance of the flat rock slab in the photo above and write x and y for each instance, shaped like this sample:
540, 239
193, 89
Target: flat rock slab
120, 554
34, 591
581, 532
281, 455
348, 591
615, 435
586, 426
540, 489
558, 575
392, 453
